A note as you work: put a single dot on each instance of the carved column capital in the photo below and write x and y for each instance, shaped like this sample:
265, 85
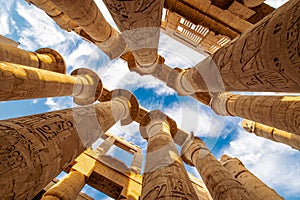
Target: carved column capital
190, 147
90, 88
59, 66
156, 117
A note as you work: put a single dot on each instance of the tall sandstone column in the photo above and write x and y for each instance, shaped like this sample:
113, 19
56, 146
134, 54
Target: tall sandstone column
87, 15
264, 58
164, 176
258, 189
276, 111
21, 82
219, 182
36, 148
44, 58
139, 22
271, 133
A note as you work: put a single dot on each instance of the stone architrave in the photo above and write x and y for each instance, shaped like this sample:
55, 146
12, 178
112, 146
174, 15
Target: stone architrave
258, 189
139, 22
104, 147
88, 16
271, 133
219, 182
44, 58
164, 176
36, 148
264, 58
21, 82
276, 111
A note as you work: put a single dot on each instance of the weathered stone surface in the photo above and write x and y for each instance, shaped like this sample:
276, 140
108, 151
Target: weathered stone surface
254, 185
271, 133
217, 179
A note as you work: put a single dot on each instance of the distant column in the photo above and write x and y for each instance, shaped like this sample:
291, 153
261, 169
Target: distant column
36, 148
44, 58
88, 16
137, 161
264, 58
66, 189
23, 82
218, 180
104, 147
276, 111
258, 189
271, 133
164, 175
139, 22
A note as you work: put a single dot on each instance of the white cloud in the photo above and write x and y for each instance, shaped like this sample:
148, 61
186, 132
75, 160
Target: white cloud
275, 3
273, 163
59, 103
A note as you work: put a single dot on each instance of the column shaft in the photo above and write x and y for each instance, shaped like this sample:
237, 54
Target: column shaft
164, 176
217, 179
276, 111
264, 58
271, 133
36, 148
258, 189
67, 188
44, 58
21, 82
139, 23
87, 15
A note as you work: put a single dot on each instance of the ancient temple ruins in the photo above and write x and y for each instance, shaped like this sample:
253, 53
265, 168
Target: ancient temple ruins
250, 47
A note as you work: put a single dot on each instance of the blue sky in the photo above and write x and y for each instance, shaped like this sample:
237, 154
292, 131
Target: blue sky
276, 164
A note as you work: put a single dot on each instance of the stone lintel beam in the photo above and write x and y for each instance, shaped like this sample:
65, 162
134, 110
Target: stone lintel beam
264, 58
104, 147
271, 133
8, 41
171, 76
218, 180
164, 174
258, 189
87, 15
140, 24
23, 82
198, 17
275, 111
45, 58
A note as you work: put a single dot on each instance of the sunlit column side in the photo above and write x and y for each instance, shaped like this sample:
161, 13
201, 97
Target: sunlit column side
36, 148
258, 189
164, 176
264, 58
139, 22
66, 189
44, 58
87, 15
56, 14
275, 111
219, 182
271, 133
22, 82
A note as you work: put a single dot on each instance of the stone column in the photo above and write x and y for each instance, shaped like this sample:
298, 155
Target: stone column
8, 41
36, 148
219, 182
104, 147
164, 176
66, 189
87, 15
264, 58
21, 82
271, 133
139, 22
276, 111
258, 189
44, 58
